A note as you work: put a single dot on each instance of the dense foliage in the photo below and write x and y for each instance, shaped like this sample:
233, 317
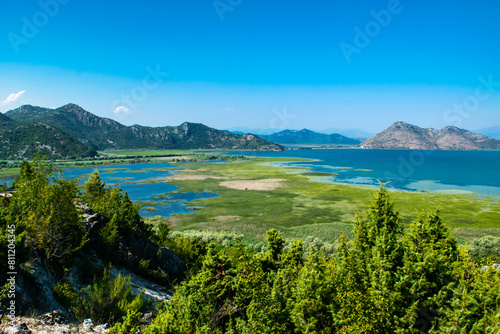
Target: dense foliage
24, 141
44, 216
43, 213
115, 206
385, 280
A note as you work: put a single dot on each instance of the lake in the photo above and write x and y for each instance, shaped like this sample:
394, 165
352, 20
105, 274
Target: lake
440, 171
472, 172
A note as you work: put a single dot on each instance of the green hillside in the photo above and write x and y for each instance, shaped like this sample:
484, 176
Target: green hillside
24, 141
103, 133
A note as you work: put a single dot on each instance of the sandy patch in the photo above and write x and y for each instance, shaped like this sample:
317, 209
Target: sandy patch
225, 219
193, 177
265, 184
179, 157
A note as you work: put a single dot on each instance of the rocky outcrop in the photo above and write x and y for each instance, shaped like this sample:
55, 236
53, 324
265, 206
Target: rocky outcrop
40, 325
35, 282
134, 248
34, 285
401, 135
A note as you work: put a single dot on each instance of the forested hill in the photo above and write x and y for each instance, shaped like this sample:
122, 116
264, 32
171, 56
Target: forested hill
23, 140
88, 255
103, 133
401, 135
305, 136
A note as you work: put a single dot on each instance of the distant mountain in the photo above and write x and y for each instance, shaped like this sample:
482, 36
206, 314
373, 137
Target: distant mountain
351, 133
24, 141
304, 136
258, 132
492, 132
401, 135
104, 133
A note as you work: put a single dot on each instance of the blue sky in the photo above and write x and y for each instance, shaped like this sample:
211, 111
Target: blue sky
255, 63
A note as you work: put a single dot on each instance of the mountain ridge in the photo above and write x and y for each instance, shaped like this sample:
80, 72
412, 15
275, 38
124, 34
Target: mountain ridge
402, 135
103, 133
305, 136
25, 140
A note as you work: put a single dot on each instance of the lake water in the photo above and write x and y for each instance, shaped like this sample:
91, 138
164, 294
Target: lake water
440, 171
471, 172
167, 200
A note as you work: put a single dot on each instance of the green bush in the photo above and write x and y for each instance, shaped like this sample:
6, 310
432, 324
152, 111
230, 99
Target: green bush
386, 279
65, 294
115, 206
108, 299
44, 212
129, 325
486, 247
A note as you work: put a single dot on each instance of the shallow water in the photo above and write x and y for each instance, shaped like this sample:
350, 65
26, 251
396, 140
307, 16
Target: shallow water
439, 171
166, 201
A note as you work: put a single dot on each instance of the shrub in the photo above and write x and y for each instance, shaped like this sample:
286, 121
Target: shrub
65, 294
108, 299
485, 247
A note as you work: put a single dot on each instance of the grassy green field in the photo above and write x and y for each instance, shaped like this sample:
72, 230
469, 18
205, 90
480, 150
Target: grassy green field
301, 206
290, 200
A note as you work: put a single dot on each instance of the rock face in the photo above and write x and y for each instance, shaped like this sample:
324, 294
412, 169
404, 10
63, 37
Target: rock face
136, 248
35, 283
34, 287
402, 135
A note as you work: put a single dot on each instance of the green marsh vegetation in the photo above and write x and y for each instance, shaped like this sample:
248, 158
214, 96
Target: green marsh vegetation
385, 279
302, 207
387, 274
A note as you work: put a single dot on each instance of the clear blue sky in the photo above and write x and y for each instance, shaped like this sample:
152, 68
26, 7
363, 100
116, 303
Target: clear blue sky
257, 63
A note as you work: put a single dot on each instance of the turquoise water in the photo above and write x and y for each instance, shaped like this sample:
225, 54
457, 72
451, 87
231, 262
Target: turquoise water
472, 172
475, 172
168, 200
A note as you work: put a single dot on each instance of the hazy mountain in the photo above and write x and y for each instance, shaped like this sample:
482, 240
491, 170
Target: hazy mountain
492, 132
305, 136
401, 135
351, 133
258, 132
104, 133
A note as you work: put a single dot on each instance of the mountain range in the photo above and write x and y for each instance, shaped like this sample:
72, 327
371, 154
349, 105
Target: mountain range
72, 131
401, 135
305, 136
492, 132
351, 133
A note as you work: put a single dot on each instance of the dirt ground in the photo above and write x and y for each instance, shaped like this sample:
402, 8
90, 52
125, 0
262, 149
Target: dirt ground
263, 185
